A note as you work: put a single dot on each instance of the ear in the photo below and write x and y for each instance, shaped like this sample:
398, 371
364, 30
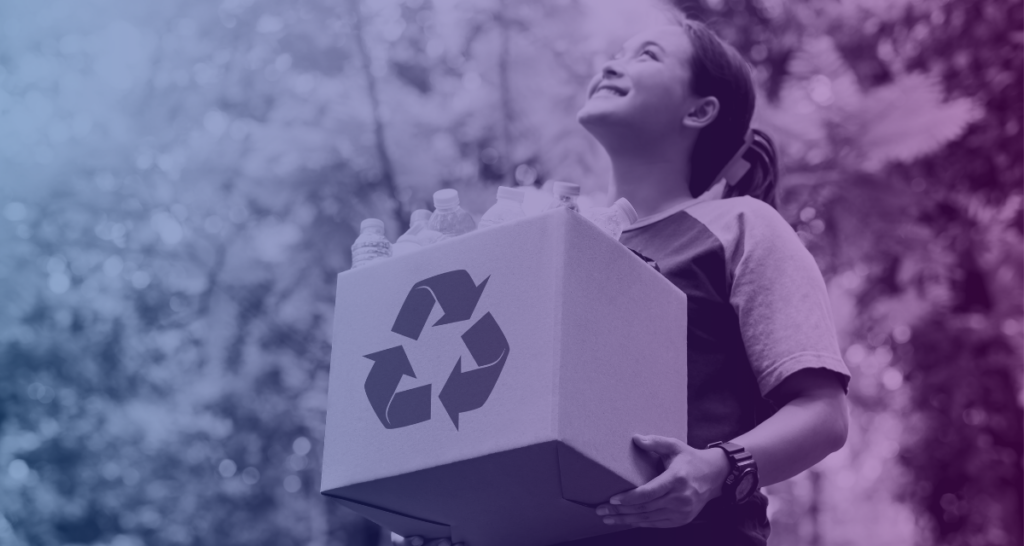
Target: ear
702, 114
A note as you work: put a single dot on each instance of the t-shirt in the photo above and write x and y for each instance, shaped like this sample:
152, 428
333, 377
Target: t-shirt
757, 311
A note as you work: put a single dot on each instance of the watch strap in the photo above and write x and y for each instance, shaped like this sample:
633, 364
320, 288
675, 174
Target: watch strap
729, 447
740, 460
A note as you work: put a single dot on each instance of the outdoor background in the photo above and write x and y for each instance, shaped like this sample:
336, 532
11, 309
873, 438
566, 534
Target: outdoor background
180, 183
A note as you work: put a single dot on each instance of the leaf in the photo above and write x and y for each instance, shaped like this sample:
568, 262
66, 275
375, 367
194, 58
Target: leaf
794, 121
908, 118
818, 61
884, 9
798, 119
818, 55
414, 74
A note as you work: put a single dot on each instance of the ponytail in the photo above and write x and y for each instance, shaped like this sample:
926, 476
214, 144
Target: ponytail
728, 147
761, 174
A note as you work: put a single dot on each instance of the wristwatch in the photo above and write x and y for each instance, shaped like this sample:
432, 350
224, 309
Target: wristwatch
741, 483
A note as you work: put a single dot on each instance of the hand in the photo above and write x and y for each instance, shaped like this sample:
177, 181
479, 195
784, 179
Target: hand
692, 477
419, 541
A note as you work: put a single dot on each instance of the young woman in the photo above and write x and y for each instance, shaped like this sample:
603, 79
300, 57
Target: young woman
673, 111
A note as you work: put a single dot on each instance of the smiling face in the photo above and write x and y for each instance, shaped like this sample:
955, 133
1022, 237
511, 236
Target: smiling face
644, 91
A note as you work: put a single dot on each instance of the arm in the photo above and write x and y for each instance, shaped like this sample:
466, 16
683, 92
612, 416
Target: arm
785, 319
810, 424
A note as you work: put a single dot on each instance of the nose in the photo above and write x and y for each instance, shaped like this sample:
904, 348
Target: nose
610, 69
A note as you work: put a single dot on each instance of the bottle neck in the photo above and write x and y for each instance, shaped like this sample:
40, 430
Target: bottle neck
567, 202
621, 213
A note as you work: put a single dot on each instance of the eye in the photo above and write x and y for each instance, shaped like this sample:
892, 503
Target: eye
650, 53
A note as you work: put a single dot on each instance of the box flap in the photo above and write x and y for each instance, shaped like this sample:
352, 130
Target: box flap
402, 524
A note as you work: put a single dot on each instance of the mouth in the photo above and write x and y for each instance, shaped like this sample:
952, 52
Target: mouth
610, 90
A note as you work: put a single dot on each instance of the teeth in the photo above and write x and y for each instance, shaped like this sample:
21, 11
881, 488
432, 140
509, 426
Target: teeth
609, 90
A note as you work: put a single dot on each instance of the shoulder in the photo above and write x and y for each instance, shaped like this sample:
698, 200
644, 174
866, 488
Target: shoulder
745, 225
744, 213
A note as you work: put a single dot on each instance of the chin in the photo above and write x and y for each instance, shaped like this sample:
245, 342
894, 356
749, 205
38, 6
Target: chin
596, 115
603, 123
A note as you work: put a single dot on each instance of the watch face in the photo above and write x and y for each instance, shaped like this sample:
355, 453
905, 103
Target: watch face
743, 488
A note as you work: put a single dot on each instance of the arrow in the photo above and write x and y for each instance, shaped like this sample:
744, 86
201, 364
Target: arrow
415, 310
467, 391
395, 409
456, 294
454, 291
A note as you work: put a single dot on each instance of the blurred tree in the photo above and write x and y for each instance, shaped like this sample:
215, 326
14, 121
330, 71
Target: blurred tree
166, 340
181, 183
861, 96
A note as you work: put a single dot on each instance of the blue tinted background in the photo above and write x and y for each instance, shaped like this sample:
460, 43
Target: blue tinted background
181, 181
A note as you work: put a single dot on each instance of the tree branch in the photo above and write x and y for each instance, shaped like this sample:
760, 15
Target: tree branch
387, 174
505, 92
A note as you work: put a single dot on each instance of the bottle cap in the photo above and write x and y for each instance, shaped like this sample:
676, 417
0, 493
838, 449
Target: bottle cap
627, 208
371, 222
419, 215
512, 194
446, 198
567, 188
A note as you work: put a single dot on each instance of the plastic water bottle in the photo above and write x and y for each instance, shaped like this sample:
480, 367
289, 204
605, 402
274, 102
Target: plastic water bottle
449, 219
565, 196
428, 237
612, 220
509, 207
371, 245
410, 240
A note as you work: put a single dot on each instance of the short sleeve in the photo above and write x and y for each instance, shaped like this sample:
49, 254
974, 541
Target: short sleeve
781, 300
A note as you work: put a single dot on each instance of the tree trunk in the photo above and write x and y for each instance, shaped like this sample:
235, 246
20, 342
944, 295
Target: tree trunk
387, 171
814, 509
505, 93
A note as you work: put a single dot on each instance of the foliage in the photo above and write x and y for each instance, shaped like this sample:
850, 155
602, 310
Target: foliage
909, 195
180, 182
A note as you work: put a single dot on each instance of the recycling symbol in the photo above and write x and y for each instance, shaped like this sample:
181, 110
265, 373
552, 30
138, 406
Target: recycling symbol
465, 390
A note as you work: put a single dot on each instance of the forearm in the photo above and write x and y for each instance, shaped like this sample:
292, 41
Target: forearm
798, 436
810, 424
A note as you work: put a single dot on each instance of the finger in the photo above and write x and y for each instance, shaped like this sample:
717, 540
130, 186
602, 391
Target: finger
656, 504
646, 517
661, 445
656, 488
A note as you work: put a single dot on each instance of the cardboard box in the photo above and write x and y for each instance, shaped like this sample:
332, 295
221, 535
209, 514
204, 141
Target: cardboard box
487, 388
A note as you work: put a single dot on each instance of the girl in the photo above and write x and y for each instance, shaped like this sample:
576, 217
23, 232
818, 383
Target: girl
673, 111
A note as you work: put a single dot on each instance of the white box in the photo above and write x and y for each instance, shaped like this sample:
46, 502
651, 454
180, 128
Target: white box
510, 414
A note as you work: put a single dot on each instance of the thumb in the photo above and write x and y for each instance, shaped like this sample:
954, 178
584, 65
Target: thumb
660, 445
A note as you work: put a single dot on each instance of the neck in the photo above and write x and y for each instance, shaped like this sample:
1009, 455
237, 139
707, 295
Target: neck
653, 179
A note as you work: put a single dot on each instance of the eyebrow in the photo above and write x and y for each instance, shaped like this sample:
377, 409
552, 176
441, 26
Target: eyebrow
651, 43
642, 45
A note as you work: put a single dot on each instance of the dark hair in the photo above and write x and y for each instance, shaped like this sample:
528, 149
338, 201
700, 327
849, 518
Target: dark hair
760, 181
717, 70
